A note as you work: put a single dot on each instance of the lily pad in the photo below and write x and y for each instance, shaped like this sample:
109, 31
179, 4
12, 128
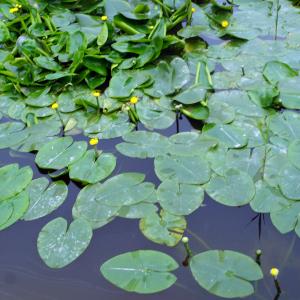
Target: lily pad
235, 188
60, 153
225, 273
89, 169
44, 197
13, 209
13, 180
163, 228
141, 271
143, 144
184, 169
179, 198
59, 245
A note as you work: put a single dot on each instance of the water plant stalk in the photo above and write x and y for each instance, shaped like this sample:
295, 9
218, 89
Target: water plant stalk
278, 6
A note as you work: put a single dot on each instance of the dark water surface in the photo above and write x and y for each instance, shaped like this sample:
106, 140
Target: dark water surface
23, 276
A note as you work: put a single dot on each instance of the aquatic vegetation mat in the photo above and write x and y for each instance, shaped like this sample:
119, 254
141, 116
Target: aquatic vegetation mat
75, 73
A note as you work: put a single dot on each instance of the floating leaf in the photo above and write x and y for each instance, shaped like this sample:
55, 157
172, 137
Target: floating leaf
275, 71
13, 209
125, 189
289, 182
163, 228
89, 169
231, 136
192, 170
141, 271
44, 197
235, 188
225, 273
59, 245
267, 199
179, 198
86, 207
13, 180
143, 144
60, 153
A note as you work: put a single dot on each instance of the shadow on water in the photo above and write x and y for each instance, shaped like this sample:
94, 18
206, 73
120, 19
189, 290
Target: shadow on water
23, 276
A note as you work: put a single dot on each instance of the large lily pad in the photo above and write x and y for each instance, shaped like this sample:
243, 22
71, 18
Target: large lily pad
163, 228
143, 144
226, 273
12, 209
192, 170
91, 169
60, 153
13, 180
141, 271
44, 197
179, 198
58, 245
234, 188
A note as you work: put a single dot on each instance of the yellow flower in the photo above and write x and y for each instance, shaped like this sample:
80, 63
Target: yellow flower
54, 105
104, 18
134, 100
18, 5
274, 272
94, 141
185, 239
13, 10
193, 9
151, 27
96, 93
224, 23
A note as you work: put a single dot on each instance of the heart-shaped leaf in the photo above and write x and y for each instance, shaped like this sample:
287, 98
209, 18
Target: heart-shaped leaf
58, 245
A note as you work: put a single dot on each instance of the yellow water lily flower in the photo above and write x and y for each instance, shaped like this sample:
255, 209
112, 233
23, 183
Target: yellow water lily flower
18, 5
185, 239
13, 10
224, 23
193, 9
274, 272
134, 100
104, 18
94, 141
54, 105
96, 93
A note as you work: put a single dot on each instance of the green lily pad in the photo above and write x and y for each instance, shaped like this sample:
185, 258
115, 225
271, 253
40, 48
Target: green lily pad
141, 271
179, 198
163, 228
59, 245
60, 153
225, 273
13, 180
13, 209
275, 71
125, 189
235, 188
44, 197
231, 136
89, 169
294, 153
86, 207
143, 144
287, 218
267, 199
289, 182
191, 170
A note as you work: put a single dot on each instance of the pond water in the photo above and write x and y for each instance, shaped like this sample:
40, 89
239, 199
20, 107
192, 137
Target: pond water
23, 275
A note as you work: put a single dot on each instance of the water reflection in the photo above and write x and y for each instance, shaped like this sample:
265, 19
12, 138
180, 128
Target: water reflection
23, 276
